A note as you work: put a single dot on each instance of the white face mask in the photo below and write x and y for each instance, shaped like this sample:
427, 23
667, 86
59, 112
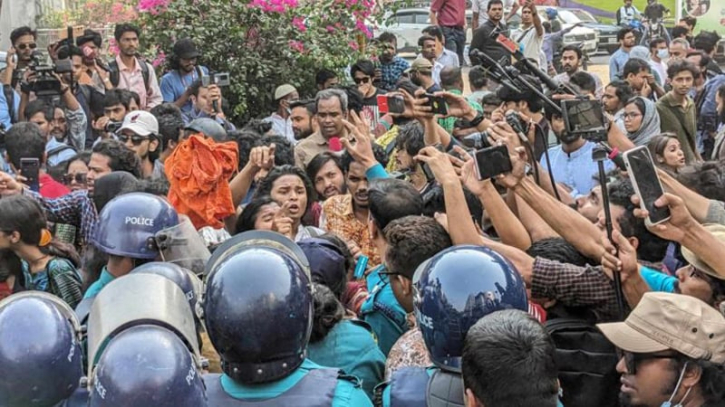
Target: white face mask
663, 53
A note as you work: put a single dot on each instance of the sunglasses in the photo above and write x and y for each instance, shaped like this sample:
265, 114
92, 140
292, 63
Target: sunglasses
79, 178
631, 360
361, 80
32, 45
135, 140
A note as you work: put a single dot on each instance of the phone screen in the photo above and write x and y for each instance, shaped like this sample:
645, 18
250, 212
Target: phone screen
396, 104
30, 169
437, 103
382, 103
646, 182
582, 116
492, 161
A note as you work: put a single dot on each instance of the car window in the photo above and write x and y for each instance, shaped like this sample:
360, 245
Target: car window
422, 18
584, 16
405, 18
568, 17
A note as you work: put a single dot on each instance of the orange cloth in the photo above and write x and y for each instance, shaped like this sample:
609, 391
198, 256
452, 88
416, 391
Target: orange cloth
198, 172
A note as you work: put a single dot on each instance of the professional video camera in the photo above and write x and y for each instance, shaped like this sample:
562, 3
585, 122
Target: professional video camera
45, 84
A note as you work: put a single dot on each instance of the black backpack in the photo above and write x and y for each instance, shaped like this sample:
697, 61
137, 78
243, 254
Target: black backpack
115, 76
586, 361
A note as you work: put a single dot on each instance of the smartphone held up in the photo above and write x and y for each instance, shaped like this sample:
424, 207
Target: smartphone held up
646, 183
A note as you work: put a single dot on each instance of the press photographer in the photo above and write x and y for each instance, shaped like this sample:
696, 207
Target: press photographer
528, 103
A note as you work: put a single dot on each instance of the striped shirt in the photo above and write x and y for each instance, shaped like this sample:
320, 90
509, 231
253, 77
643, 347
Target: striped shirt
59, 278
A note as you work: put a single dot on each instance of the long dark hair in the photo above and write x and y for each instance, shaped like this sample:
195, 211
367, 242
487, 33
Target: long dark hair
249, 215
265, 187
23, 215
328, 312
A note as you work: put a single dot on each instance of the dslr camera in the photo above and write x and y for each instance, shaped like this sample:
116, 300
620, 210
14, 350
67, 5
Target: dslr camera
45, 83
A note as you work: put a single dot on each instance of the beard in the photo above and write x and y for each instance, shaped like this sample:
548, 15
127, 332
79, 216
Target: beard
568, 138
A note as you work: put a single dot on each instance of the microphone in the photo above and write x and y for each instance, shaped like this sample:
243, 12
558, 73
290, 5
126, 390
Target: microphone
614, 155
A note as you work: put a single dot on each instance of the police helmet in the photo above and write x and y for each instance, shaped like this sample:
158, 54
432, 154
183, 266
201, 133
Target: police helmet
147, 366
128, 223
208, 127
258, 308
40, 354
454, 289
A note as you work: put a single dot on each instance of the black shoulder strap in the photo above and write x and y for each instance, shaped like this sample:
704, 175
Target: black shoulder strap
445, 390
144, 72
113, 73
59, 149
10, 100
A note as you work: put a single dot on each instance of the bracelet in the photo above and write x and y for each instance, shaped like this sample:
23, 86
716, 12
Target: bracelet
477, 120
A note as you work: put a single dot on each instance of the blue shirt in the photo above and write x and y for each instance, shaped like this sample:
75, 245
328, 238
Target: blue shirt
576, 169
391, 72
616, 64
102, 281
5, 118
59, 157
382, 311
347, 394
351, 346
194, 114
658, 281
173, 86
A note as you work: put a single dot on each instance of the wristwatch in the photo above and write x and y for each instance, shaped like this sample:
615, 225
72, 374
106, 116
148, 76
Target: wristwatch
477, 120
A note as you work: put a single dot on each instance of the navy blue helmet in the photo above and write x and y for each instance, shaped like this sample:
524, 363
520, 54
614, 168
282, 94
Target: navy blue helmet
456, 288
258, 307
147, 366
184, 278
40, 354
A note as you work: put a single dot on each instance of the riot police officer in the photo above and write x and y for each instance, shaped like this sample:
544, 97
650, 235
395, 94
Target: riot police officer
451, 291
258, 313
138, 227
142, 345
40, 356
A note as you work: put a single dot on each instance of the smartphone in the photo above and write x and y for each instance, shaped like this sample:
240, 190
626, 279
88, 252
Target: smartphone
646, 183
30, 169
390, 104
492, 161
360, 267
507, 43
437, 103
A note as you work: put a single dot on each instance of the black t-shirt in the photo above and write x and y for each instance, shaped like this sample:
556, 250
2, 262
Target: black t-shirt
655, 11
484, 40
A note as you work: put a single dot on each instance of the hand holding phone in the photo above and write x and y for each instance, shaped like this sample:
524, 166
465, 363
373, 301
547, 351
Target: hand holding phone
646, 184
492, 161
30, 170
437, 104
391, 104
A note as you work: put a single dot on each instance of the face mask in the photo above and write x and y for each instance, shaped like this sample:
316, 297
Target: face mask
663, 54
668, 403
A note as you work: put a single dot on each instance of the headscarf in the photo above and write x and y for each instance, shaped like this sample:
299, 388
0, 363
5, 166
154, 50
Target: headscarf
650, 124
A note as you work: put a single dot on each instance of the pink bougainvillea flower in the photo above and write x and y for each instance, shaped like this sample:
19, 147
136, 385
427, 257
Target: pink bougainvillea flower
297, 46
354, 45
299, 23
153, 6
330, 29
160, 59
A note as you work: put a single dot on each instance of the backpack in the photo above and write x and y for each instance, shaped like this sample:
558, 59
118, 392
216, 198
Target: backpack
586, 361
115, 74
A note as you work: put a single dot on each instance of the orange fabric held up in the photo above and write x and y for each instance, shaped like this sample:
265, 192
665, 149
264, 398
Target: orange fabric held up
198, 172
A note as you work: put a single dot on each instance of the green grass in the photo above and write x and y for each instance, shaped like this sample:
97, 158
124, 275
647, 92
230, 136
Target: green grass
613, 5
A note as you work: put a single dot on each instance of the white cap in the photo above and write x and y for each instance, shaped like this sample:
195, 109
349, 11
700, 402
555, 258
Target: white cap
140, 122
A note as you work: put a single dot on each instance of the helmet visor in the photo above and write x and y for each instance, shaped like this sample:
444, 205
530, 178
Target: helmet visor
182, 245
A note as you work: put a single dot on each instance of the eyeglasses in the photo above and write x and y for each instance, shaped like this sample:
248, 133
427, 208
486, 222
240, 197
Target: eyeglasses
32, 45
79, 178
135, 140
627, 116
361, 80
631, 360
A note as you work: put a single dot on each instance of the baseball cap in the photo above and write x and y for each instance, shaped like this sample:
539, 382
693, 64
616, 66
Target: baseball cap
420, 64
140, 122
283, 90
718, 231
663, 321
185, 48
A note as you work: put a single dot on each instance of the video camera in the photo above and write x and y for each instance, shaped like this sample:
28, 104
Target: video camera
585, 117
220, 79
481, 140
46, 84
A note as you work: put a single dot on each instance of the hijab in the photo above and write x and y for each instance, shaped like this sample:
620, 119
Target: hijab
650, 124
111, 185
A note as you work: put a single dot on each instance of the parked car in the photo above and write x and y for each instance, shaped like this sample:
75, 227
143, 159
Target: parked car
607, 32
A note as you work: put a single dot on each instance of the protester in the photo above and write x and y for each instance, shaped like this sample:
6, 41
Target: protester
392, 66
176, 85
641, 120
280, 119
326, 173
627, 40
666, 152
130, 72
483, 37
302, 115
571, 57
677, 110
331, 111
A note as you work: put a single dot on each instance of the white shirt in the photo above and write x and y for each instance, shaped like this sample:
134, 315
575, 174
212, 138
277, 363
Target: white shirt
531, 42
283, 127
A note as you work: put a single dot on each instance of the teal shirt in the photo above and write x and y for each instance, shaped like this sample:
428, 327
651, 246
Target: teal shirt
102, 281
657, 280
382, 311
350, 346
347, 394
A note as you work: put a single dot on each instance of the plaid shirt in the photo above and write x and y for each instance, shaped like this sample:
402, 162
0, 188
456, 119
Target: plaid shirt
575, 286
76, 209
392, 72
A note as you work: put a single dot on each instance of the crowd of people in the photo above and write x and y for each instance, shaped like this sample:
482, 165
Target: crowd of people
340, 252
